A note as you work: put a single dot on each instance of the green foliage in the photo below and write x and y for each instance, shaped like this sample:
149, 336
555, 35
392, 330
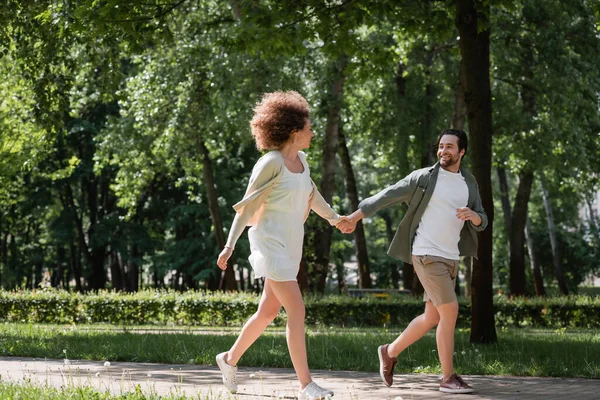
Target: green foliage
106, 103
558, 312
222, 309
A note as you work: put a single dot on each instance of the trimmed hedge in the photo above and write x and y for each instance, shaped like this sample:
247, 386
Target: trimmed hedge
230, 309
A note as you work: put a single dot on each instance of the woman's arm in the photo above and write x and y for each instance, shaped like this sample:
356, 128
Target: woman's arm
322, 208
265, 170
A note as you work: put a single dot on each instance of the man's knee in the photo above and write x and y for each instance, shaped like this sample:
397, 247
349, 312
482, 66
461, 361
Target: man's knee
431, 316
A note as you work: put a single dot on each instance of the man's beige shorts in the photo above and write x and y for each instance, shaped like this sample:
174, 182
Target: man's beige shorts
438, 277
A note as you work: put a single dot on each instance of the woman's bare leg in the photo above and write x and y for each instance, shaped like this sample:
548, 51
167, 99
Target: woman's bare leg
268, 309
288, 293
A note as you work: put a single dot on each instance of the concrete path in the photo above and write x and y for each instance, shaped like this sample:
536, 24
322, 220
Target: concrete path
204, 382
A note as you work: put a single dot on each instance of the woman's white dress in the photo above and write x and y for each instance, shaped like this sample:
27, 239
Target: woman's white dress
276, 241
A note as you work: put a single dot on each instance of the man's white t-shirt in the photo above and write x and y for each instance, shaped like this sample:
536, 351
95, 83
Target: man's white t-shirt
438, 233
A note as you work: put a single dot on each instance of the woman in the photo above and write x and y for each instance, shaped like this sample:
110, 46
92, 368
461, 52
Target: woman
279, 197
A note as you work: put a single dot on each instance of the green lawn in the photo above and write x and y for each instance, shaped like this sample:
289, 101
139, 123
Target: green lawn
26, 391
522, 352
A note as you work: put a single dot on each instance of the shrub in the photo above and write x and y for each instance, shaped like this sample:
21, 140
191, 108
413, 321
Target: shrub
233, 309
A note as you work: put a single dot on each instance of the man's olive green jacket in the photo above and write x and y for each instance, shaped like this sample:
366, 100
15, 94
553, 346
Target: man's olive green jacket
416, 190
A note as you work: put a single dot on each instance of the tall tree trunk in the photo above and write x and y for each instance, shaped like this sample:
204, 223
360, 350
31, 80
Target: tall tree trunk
538, 281
588, 201
58, 275
95, 258
460, 106
468, 275
330, 147
556, 254
133, 268
98, 253
517, 235
407, 269
302, 276
341, 277
408, 273
116, 277
75, 261
228, 276
505, 199
359, 233
474, 44
459, 116
3, 252
427, 154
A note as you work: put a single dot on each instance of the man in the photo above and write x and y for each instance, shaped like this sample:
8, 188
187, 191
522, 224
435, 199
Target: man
441, 224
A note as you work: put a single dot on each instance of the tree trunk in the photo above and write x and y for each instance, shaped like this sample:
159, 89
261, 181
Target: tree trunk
538, 281
75, 261
341, 275
407, 269
116, 277
517, 235
556, 254
427, 153
58, 275
94, 257
228, 276
468, 261
3, 253
460, 106
475, 52
459, 116
302, 276
241, 279
330, 146
359, 233
133, 268
505, 199
408, 273
589, 198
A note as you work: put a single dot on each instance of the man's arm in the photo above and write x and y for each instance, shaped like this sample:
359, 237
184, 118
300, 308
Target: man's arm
476, 216
401, 191
397, 193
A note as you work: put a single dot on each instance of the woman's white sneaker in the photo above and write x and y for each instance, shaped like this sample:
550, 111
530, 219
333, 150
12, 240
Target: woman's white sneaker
228, 373
312, 391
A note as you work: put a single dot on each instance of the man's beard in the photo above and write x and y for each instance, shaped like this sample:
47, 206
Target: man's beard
450, 162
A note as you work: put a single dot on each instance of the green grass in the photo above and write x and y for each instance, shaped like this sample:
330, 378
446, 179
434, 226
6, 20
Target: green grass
521, 352
14, 391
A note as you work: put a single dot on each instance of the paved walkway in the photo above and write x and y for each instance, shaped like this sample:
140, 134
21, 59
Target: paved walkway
205, 382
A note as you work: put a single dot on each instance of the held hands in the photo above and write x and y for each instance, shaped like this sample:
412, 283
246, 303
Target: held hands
466, 214
346, 225
224, 257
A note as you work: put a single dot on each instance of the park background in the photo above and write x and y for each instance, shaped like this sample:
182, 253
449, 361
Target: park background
125, 140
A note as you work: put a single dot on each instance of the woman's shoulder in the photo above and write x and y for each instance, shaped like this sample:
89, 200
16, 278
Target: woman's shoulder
303, 157
272, 160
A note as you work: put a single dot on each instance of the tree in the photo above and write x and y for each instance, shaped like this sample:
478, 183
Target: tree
472, 23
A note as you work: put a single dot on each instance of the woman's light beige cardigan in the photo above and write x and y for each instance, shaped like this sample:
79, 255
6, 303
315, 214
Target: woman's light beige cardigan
265, 175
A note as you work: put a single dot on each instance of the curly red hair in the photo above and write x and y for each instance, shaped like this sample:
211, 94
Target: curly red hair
276, 117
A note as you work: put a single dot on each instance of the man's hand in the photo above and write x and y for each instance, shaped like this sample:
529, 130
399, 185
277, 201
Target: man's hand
466, 214
224, 257
346, 225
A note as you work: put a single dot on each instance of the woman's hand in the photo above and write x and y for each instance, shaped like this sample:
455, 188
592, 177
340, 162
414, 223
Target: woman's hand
224, 257
346, 225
